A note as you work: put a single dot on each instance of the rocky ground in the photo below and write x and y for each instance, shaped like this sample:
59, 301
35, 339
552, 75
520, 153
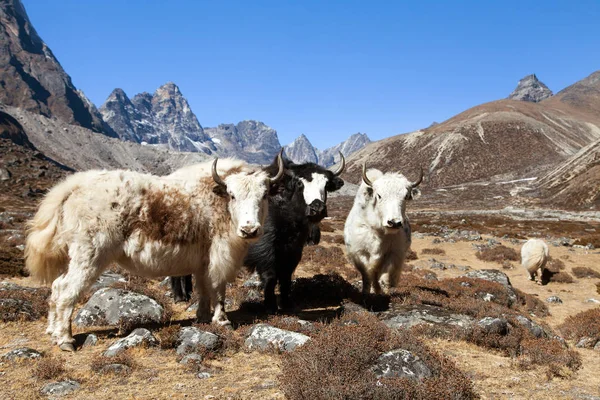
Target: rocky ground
451, 328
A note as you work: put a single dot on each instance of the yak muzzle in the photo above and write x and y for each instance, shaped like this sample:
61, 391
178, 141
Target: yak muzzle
316, 211
250, 232
394, 224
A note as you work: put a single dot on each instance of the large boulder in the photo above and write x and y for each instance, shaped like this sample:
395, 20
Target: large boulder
139, 337
58, 389
408, 316
107, 279
401, 363
531, 326
265, 337
192, 338
110, 306
493, 275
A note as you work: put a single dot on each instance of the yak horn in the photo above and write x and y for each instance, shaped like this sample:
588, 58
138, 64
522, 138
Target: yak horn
280, 165
215, 175
342, 167
364, 176
419, 179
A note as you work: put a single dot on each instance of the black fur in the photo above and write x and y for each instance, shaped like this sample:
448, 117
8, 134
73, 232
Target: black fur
290, 224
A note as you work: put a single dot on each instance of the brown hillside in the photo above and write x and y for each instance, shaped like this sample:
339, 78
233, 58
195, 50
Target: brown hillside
504, 139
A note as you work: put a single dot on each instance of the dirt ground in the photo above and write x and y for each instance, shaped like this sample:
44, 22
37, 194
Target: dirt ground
253, 375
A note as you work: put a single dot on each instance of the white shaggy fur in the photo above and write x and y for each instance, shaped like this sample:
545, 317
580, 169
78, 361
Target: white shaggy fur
534, 256
152, 226
373, 247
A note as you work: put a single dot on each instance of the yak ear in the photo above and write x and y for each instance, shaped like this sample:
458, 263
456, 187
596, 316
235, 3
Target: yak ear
220, 191
414, 194
369, 192
334, 184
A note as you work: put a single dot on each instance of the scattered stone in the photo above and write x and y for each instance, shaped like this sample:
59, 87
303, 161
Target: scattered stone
23, 309
191, 358
192, 338
400, 316
110, 306
488, 297
534, 328
401, 363
264, 336
203, 375
494, 325
439, 265
593, 301
494, 275
430, 276
60, 388
22, 353
139, 337
107, 279
117, 369
587, 342
193, 307
165, 282
253, 296
253, 282
5, 174
554, 299
90, 340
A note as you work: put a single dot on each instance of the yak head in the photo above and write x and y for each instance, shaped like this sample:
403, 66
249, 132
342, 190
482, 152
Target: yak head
385, 197
317, 181
247, 193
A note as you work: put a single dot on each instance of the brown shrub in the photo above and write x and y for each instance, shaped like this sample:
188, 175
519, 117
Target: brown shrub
335, 239
434, 251
101, 361
169, 336
336, 364
549, 352
411, 255
555, 265
326, 227
12, 262
561, 277
49, 368
584, 240
319, 258
498, 254
584, 324
23, 304
585, 272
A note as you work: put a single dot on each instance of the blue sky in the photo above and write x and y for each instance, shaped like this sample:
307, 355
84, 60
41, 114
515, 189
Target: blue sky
323, 68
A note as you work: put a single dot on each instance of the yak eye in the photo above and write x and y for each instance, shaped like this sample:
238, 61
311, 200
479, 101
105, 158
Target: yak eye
232, 197
378, 196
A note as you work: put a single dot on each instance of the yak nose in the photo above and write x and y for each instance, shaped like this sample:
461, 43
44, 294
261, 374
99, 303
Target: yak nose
317, 208
250, 232
394, 223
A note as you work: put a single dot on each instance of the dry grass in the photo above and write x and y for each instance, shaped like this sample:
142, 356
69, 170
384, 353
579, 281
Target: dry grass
585, 272
584, 324
23, 304
336, 364
498, 254
335, 239
326, 227
49, 368
434, 251
100, 361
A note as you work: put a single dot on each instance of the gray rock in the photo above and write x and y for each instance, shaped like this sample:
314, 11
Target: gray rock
530, 88
22, 353
112, 306
587, 342
494, 275
253, 282
597, 346
203, 375
138, 337
117, 369
264, 337
191, 359
5, 174
193, 307
408, 316
106, 279
554, 299
23, 309
401, 363
487, 296
494, 325
60, 388
192, 338
90, 340
534, 328
593, 301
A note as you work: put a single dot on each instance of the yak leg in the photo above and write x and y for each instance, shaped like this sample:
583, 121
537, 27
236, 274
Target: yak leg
51, 313
83, 271
285, 284
178, 288
219, 316
376, 271
204, 294
364, 273
395, 268
269, 280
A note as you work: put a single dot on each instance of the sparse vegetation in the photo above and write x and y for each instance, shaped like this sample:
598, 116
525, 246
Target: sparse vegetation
555, 265
49, 368
11, 261
169, 336
498, 254
585, 272
561, 277
100, 361
335, 239
411, 255
434, 251
336, 364
23, 304
586, 324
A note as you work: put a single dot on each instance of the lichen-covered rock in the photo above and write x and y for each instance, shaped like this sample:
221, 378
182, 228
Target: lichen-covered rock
494, 325
264, 337
106, 279
534, 328
60, 388
22, 353
110, 306
139, 337
90, 340
554, 299
408, 316
191, 358
493, 275
401, 363
192, 338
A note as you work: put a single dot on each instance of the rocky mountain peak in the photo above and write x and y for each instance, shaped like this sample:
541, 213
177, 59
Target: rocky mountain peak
301, 150
33, 79
530, 88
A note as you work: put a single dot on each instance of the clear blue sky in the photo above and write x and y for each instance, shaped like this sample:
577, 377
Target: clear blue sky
324, 68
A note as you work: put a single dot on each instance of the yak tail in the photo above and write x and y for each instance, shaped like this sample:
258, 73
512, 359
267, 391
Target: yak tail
46, 255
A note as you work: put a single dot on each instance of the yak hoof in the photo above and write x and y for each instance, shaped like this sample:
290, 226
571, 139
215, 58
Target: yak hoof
67, 347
